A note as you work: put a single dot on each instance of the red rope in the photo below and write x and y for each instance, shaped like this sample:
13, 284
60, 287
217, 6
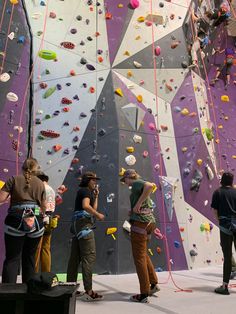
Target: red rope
3, 12
161, 164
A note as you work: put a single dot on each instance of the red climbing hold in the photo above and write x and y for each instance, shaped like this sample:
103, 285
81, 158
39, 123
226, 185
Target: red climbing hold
50, 133
66, 101
108, 16
92, 90
68, 45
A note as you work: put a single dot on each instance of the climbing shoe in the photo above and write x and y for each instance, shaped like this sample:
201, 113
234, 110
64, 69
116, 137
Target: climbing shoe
153, 289
141, 298
222, 290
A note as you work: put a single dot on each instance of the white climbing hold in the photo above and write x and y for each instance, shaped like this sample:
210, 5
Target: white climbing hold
36, 15
137, 139
11, 36
12, 97
5, 77
137, 65
130, 160
18, 128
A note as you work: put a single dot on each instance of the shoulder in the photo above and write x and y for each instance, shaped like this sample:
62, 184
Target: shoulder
36, 181
84, 192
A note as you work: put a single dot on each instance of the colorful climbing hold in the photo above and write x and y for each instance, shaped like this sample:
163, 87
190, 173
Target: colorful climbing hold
47, 54
119, 92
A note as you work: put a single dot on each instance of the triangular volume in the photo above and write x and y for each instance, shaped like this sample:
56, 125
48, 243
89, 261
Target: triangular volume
168, 185
173, 53
118, 17
168, 81
134, 115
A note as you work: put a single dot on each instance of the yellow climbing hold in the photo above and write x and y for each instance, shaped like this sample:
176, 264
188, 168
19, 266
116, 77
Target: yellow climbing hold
14, 1
154, 187
126, 53
199, 162
150, 252
140, 98
138, 37
225, 98
185, 112
184, 149
141, 19
122, 171
120, 5
129, 73
130, 149
220, 126
119, 92
2, 183
234, 156
217, 141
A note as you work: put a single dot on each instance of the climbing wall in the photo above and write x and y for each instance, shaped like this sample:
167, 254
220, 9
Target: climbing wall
111, 89
15, 46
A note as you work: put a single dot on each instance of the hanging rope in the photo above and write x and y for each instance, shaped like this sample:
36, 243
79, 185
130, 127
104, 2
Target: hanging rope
166, 244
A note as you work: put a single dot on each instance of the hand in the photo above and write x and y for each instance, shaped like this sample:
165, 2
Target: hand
100, 216
96, 191
46, 220
136, 208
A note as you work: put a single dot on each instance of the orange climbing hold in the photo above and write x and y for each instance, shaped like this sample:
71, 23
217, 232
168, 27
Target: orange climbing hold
140, 98
100, 59
57, 147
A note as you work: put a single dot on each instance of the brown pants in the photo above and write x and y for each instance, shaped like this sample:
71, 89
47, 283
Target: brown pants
144, 267
43, 254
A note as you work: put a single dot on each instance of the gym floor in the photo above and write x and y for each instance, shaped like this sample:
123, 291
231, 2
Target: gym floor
170, 300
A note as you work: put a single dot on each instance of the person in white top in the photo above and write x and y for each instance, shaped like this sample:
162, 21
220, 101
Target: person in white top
43, 253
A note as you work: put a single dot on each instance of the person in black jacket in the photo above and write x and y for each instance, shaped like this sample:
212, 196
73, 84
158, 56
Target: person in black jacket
224, 205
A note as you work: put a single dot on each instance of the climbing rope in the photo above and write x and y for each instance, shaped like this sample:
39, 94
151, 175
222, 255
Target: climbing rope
166, 244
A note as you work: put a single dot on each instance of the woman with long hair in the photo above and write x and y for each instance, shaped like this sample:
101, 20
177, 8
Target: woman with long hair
24, 221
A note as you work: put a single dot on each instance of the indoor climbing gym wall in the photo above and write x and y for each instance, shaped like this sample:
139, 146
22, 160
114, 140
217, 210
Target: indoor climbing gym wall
115, 84
15, 62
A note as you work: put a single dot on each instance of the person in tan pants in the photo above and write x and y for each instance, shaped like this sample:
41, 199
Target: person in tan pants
43, 253
142, 225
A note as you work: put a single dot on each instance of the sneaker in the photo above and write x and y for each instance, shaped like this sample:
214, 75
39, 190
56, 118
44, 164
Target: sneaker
222, 290
92, 297
153, 289
141, 298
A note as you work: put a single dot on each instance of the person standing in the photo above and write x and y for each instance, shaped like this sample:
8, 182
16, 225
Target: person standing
224, 205
83, 248
142, 225
43, 253
24, 222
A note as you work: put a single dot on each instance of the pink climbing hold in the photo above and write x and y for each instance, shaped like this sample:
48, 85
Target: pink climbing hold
134, 4
152, 126
157, 51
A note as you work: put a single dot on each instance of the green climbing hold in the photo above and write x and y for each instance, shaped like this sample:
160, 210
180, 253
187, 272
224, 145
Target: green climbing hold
47, 54
49, 92
209, 134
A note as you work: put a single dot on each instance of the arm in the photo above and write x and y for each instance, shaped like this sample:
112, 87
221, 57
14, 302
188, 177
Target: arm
3, 197
216, 213
147, 190
92, 210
